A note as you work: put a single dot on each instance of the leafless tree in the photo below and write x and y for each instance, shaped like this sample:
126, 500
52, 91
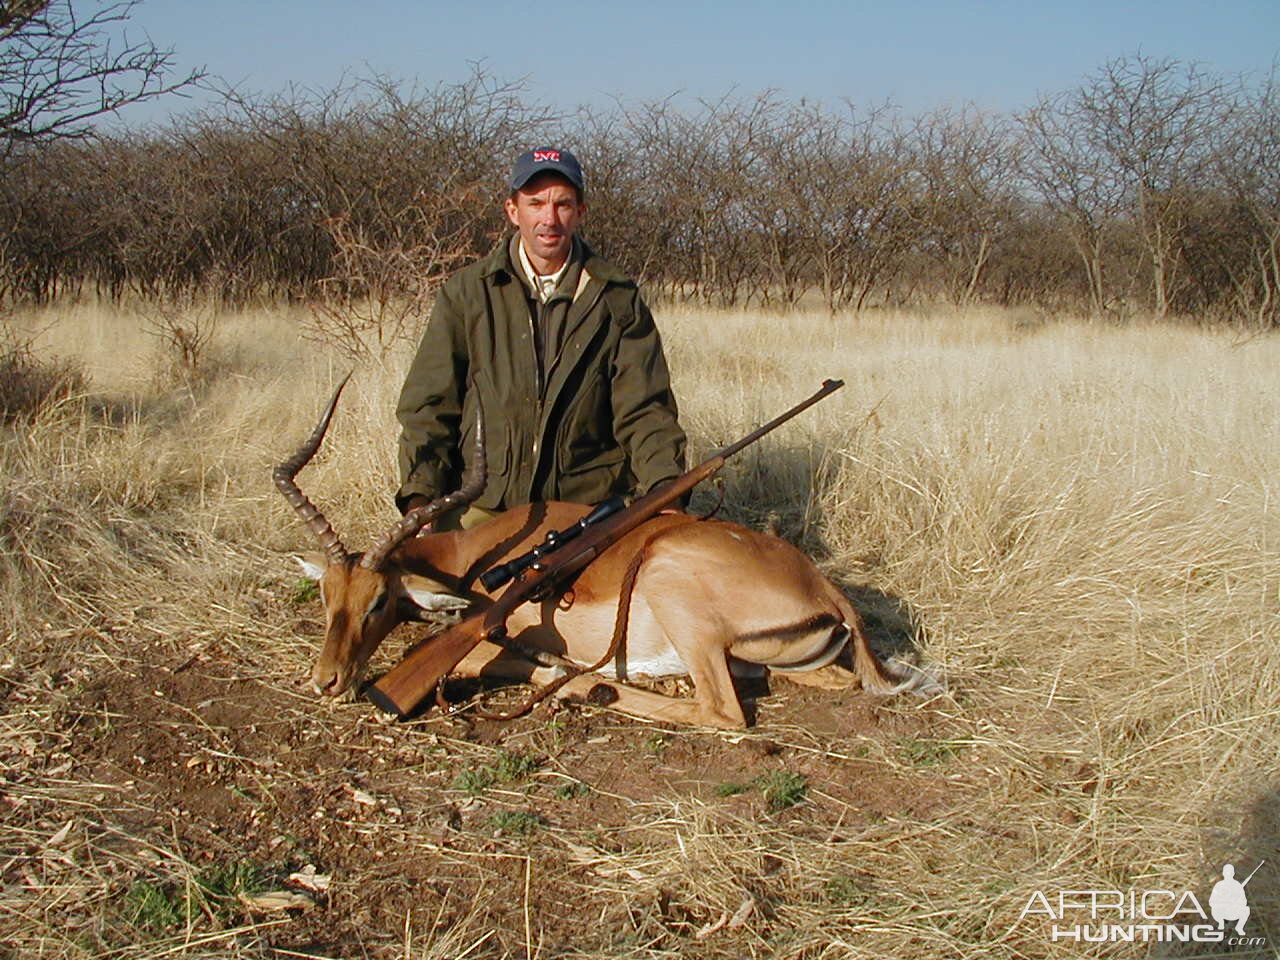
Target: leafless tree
60, 68
1135, 141
968, 166
1158, 122
1075, 180
1249, 210
1156, 178
381, 287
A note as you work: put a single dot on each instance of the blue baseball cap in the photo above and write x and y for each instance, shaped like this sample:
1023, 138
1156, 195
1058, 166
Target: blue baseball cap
546, 160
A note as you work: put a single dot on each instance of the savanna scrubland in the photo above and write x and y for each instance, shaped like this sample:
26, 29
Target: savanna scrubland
1074, 520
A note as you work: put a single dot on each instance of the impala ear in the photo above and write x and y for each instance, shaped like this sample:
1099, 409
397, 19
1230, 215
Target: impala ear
312, 564
431, 594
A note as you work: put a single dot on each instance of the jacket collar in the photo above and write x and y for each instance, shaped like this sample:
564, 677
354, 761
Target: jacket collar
499, 262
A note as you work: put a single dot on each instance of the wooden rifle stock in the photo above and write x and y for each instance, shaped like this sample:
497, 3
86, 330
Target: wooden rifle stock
408, 683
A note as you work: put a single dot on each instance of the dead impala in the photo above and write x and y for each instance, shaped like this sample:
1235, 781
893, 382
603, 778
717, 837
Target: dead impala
709, 599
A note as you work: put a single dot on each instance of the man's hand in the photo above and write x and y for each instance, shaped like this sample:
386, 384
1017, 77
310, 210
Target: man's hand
413, 503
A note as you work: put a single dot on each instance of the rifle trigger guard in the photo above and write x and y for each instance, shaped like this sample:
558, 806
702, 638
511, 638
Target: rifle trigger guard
566, 600
541, 592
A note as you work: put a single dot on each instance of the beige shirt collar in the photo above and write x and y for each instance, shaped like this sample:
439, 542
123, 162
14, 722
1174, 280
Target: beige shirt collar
544, 286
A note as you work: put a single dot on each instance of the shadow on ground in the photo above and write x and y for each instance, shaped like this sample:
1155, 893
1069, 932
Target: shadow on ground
1255, 850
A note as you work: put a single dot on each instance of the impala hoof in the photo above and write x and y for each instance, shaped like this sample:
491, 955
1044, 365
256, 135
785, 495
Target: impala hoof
602, 695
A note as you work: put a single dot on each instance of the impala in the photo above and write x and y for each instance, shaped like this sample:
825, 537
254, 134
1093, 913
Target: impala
707, 599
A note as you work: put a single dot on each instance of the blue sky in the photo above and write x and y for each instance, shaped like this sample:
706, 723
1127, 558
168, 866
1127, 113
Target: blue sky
916, 53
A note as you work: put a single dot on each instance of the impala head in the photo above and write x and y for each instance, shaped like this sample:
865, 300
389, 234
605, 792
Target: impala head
366, 595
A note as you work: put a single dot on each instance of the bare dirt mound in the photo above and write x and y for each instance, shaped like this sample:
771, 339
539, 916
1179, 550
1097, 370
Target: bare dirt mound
198, 791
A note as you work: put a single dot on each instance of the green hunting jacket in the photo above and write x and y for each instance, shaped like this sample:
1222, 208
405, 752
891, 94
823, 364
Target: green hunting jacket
598, 421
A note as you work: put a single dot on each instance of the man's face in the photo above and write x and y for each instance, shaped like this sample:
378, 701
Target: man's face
546, 211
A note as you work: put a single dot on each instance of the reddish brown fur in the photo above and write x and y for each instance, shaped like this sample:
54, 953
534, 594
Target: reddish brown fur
706, 591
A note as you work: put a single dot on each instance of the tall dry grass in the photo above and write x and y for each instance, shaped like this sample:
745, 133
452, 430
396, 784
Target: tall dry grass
1076, 522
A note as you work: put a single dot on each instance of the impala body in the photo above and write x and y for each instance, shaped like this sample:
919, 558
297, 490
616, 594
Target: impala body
710, 598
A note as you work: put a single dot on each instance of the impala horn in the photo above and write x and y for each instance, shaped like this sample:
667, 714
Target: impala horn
284, 474
473, 481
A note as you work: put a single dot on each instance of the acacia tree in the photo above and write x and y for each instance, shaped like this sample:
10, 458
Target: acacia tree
60, 68
1070, 175
968, 163
1157, 122
1136, 139
1249, 167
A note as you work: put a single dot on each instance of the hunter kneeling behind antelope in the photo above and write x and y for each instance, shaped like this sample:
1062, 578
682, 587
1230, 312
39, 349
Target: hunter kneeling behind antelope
676, 595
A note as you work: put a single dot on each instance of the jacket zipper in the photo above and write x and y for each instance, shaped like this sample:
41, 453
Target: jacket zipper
534, 317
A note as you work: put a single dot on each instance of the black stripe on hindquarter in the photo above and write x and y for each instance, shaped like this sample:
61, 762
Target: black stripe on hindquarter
816, 622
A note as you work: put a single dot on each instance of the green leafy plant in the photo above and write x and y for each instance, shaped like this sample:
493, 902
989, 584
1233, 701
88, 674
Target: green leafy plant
226, 883
152, 906
571, 791
218, 891
656, 745
515, 823
782, 788
305, 591
927, 753
474, 780
845, 891
512, 767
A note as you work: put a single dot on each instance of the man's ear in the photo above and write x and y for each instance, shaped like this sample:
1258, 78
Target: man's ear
312, 564
431, 594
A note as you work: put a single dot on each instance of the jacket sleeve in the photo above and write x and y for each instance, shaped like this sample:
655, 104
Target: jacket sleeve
645, 416
430, 406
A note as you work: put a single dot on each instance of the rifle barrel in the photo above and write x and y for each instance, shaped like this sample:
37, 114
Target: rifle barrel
828, 387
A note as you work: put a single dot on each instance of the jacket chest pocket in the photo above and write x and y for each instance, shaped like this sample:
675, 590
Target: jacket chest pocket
592, 466
586, 429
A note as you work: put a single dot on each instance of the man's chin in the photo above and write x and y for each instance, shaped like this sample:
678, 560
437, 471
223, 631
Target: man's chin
552, 249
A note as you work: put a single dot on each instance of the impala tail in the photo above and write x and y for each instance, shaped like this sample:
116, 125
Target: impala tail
880, 676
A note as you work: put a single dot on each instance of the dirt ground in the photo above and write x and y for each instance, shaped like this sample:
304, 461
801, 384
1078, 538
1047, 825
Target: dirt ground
549, 835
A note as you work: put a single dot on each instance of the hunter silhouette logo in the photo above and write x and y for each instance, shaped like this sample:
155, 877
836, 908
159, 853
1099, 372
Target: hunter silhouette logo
1147, 915
1228, 902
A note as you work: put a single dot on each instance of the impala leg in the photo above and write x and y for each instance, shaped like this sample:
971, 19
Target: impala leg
490, 660
702, 641
714, 694
642, 703
831, 677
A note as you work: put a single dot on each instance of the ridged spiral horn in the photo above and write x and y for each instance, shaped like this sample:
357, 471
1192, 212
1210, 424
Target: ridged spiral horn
473, 481
284, 474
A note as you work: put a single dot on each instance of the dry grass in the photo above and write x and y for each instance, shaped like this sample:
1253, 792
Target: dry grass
1076, 522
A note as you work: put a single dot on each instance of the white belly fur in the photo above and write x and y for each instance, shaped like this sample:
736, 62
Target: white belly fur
664, 664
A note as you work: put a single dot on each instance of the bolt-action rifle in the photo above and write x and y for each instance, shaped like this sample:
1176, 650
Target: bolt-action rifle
407, 684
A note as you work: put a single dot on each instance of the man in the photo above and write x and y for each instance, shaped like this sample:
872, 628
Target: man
1228, 901
555, 346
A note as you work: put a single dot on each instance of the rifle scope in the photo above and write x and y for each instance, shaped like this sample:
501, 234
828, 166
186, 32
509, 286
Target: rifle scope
506, 572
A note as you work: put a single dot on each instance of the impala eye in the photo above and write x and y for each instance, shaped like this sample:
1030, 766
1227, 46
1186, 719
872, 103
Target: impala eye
378, 604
